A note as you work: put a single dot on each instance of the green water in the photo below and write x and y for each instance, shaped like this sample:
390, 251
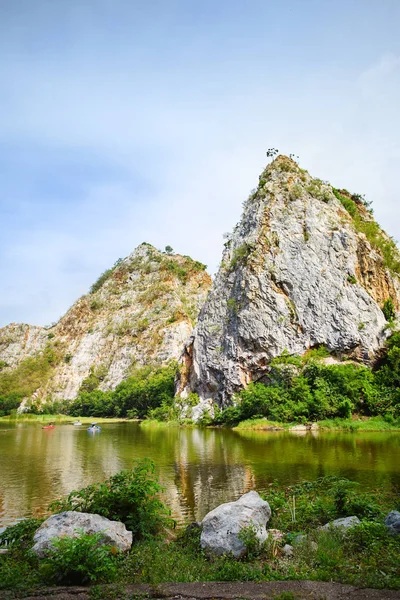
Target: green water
198, 468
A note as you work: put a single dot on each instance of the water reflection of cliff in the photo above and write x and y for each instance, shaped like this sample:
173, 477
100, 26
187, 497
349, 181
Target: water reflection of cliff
198, 468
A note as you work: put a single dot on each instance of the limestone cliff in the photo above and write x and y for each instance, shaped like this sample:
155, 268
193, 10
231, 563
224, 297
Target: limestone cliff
306, 266
139, 312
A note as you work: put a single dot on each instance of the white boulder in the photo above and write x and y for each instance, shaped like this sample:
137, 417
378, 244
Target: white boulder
72, 524
221, 527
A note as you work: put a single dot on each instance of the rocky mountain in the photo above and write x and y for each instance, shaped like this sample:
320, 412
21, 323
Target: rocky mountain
139, 312
306, 266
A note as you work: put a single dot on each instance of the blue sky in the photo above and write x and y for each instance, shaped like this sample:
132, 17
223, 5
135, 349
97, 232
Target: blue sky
124, 121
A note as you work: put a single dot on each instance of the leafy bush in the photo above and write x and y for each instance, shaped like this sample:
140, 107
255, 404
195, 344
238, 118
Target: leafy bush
346, 202
303, 389
240, 255
21, 534
389, 310
129, 496
147, 389
79, 560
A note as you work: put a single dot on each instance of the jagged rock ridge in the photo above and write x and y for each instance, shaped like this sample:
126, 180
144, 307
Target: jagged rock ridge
141, 312
300, 270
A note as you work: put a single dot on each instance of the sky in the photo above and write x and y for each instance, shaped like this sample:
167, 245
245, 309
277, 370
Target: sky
123, 121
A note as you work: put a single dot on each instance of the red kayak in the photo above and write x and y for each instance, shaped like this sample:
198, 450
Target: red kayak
48, 427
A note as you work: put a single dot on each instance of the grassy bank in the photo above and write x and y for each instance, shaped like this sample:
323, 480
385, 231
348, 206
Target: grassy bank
366, 555
359, 425
366, 424
59, 419
149, 423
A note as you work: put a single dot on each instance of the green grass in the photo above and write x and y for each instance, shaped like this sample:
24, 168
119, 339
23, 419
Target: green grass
154, 423
370, 424
261, 423
366, 556
366, 424
59, 419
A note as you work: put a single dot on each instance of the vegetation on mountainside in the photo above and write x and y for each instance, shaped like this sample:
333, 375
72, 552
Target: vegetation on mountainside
27, 377
304, 389
384, 244
365, 555
299, 390
104, 277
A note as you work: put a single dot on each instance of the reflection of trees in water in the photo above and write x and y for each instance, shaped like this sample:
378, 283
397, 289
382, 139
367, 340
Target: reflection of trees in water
200, 468
289, 458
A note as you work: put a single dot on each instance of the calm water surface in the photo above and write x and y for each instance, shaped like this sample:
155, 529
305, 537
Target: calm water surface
198, 468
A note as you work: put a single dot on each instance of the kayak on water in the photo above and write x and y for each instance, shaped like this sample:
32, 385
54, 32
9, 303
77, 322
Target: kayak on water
94, 427
48, 427
77, 423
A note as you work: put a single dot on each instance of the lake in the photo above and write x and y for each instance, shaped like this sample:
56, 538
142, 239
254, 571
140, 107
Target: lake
199, 468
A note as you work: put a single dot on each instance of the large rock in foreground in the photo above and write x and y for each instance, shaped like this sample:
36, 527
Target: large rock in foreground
71, 524
221, 526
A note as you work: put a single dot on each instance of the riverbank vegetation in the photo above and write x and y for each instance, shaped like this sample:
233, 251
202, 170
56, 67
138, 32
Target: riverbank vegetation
306, 389
366, 555
297, 390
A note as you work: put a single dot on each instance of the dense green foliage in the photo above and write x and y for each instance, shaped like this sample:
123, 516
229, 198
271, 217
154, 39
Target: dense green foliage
389, 310
303, 389
129, 496
79, 560
147, 389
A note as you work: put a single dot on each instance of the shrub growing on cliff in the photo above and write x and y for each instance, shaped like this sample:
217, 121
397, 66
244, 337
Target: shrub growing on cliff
389, 310
303, 389
130, 496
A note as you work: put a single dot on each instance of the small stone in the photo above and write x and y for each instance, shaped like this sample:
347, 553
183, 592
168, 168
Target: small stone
344, 523
287, 550
71, 524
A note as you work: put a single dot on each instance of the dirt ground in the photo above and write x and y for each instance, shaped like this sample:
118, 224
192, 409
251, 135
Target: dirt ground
301, 590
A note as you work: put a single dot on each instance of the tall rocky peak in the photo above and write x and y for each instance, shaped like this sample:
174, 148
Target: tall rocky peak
306, 266
140, 311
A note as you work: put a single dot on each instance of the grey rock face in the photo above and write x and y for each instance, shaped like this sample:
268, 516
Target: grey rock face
392, 522
295, 274
71, 524
344, 523
221, 526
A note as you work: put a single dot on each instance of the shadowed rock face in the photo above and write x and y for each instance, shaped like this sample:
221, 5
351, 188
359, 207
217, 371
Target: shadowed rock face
142, 313
296, 273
